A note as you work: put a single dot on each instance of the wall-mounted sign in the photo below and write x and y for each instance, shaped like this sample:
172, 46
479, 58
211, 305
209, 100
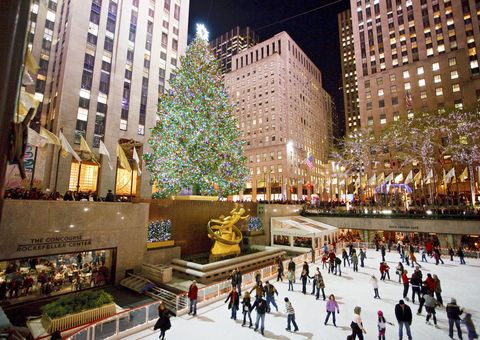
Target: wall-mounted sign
53, 242
403, 227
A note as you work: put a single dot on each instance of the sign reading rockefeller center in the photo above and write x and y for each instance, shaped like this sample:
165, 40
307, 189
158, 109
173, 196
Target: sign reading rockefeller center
53, 242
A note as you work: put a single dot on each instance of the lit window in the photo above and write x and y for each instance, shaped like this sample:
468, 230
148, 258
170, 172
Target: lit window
474, 64
423, 94
437, 79
85, 94
407, 86
454, 74
383, 119
452, 61
82, 114
456, 88
421, 82
380, 92
370, 121
406, 74
396, 116
420, 70
123, 124
439, 91
392, 78
435, 66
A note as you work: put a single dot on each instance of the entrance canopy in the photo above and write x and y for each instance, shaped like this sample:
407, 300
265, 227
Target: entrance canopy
300, 232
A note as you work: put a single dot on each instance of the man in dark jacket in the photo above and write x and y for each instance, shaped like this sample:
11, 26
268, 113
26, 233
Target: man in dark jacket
453, 314
261, 306
280, 269
404, 318
270, 292
238, 275
416, 283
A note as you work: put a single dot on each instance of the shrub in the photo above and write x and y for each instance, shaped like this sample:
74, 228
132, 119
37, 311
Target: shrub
76, 303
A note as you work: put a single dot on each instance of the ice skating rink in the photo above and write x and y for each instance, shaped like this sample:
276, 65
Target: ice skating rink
351, 289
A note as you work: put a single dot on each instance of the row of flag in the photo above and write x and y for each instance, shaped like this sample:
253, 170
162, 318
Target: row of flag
380, 179
46, 137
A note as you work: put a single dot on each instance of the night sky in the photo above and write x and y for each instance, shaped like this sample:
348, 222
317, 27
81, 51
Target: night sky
316, 32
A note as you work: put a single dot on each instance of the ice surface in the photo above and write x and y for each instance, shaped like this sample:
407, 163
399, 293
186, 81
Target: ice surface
351, 289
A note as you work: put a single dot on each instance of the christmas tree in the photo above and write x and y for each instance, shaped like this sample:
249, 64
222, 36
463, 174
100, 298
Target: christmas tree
196, 142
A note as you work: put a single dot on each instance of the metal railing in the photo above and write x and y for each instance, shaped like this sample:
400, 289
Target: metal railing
136, 319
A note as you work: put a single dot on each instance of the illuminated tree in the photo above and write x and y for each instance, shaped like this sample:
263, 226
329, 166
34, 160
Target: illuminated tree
196, 142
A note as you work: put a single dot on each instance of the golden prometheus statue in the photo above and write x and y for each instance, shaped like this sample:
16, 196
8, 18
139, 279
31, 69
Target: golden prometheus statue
225, 233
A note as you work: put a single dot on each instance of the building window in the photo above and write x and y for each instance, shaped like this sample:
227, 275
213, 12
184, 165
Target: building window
437, 79
454, 74
452, 61
123, 124
423, 94
370, 121
439, 91
406, 74
407, 86
421, 82
383, 119
456, 88
420, 70
435, 67
380, 92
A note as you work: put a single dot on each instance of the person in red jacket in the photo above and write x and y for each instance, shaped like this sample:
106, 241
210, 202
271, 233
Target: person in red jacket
406, 284
192, 296
430, 283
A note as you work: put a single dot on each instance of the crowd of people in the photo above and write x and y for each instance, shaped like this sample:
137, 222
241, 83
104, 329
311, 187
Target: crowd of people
45, 276
426, 290
69, 195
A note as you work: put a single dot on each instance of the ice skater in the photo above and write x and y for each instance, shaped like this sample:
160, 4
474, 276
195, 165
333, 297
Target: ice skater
247, 308
290, 315
331, 307
374, 282
357, 324
403, 313
261, 308
430, 305
363, 256
382, 325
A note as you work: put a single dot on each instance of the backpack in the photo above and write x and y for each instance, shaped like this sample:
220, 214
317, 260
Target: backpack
338, 260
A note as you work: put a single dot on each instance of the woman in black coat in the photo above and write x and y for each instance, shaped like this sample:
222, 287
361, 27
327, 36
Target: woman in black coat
163, 322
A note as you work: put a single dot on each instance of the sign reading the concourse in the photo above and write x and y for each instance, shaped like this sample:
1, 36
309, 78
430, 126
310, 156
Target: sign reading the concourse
53, 242
403, 227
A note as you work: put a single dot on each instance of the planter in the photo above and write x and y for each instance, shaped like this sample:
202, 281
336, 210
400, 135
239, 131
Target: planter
160, 244
195, 198
77, 319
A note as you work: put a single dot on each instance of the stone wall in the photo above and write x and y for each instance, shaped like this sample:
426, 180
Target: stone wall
36, 228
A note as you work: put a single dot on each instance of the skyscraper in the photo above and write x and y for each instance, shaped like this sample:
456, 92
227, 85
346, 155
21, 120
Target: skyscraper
349, 74
415, 56
230, 44
284, 115
103, 65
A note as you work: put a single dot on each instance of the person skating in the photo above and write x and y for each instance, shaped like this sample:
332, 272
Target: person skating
438, 289
233, 302
413, 260
270, 292
163, 322
423, 292
238, 279
406, 284
306, 268
279, 269
259, 290
383, 252
363, 256
430, 283
355, 262
430, 305
461, 255
304, 278
291, 267
399, 270
451, 252
424, 255
357, 324
384, 271
192, 297
374, 282
345, 258
247, 308
261, 308
320, 284
331, 260
291, 279
453, 314
290, 315
324, 261
416, 283
437, 256
471, 331
403, 313
338, 266
331, 307
382, 325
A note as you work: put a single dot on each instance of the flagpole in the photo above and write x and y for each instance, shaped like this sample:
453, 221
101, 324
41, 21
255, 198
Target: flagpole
79, 171
33, 169
98, 175
131, 186
116, 175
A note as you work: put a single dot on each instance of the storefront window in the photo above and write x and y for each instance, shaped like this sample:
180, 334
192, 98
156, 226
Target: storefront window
88, 177
124, 182
29, 278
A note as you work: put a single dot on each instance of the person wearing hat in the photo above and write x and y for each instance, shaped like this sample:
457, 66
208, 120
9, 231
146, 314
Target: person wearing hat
403, 313
357, 324
453, 314
382, 325
192, 297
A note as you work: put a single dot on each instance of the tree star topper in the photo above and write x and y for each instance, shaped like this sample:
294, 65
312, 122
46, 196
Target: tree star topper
202, 32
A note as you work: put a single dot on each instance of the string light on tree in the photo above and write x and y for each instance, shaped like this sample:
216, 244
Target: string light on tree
196, 142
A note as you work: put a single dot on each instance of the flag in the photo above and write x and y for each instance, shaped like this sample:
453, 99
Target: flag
26, 102
35, 139
123, 158
373, 180
418, 177
84, 146
49, 136
389, 178
30, 63
309, 160
399, 178
381, 178
464, 175
137, 160
451, 174
349, 180
103, 151
409, 177
67, 148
